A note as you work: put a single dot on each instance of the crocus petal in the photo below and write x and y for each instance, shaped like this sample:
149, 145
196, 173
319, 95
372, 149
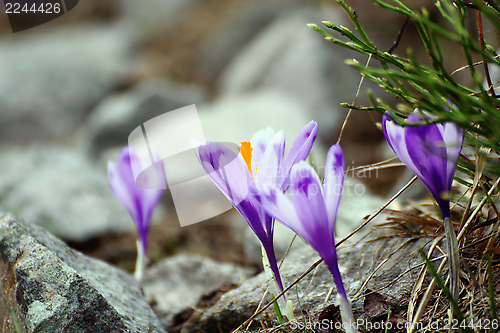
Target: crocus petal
453, 137
427, 149
334, 182
299, 151
151, 196
128, 161
270, 164
252, 212
262, 225
259, 143
306, 193
154, 180
227, 170
395, 136
276, 204
415, 117
138, 201
121, 190
309, 203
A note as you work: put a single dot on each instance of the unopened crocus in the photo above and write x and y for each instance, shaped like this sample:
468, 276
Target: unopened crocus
241, 176
138, 201
431, 151
311, 210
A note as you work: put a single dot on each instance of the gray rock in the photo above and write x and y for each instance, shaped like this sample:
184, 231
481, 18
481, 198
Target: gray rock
50, 80
356, 263
117, 116
288, 56
180, 283
50, 288
356, 203
146, 18
60, 189
234, 32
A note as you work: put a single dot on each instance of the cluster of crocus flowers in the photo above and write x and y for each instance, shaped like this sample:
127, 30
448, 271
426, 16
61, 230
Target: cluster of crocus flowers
138, 201
431, 151
260, 162
310, 210
256, 180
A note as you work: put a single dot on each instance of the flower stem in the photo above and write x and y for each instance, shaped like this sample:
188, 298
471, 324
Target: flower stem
278, 311
453, 257
349, 324
140, 263
348, 321
275, 283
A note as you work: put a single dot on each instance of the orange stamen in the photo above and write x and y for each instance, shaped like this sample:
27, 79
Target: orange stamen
246, 152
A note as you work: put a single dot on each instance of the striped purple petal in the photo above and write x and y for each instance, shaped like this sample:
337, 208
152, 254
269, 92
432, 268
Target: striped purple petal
334, 182
259, 143
269, 169
278, 205
453, 136
427, 149
299, 151
395, 136
308, 201
227, 170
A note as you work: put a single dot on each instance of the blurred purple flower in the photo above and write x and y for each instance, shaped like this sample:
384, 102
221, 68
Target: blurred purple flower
311, 211
241, 176
138, 201
430, 151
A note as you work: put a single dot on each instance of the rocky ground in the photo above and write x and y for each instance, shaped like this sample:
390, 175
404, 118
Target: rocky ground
72, 90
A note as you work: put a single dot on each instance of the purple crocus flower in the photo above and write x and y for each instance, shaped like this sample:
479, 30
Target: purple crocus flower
138, 201
431, 151
311, 211
241, 176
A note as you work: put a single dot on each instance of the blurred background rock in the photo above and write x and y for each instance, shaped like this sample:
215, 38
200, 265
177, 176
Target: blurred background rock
72, 90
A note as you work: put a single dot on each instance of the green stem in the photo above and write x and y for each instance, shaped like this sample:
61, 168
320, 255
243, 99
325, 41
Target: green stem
278, 311
453, 257
140, 263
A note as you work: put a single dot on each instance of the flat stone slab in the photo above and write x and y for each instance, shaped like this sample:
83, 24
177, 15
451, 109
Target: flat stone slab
49, 288
178, 284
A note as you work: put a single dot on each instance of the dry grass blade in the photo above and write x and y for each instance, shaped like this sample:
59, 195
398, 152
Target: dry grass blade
481, 41
476, 211
355, 99
375, 164
467, 66
427, 296
417, 287
405, 217
365, 169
